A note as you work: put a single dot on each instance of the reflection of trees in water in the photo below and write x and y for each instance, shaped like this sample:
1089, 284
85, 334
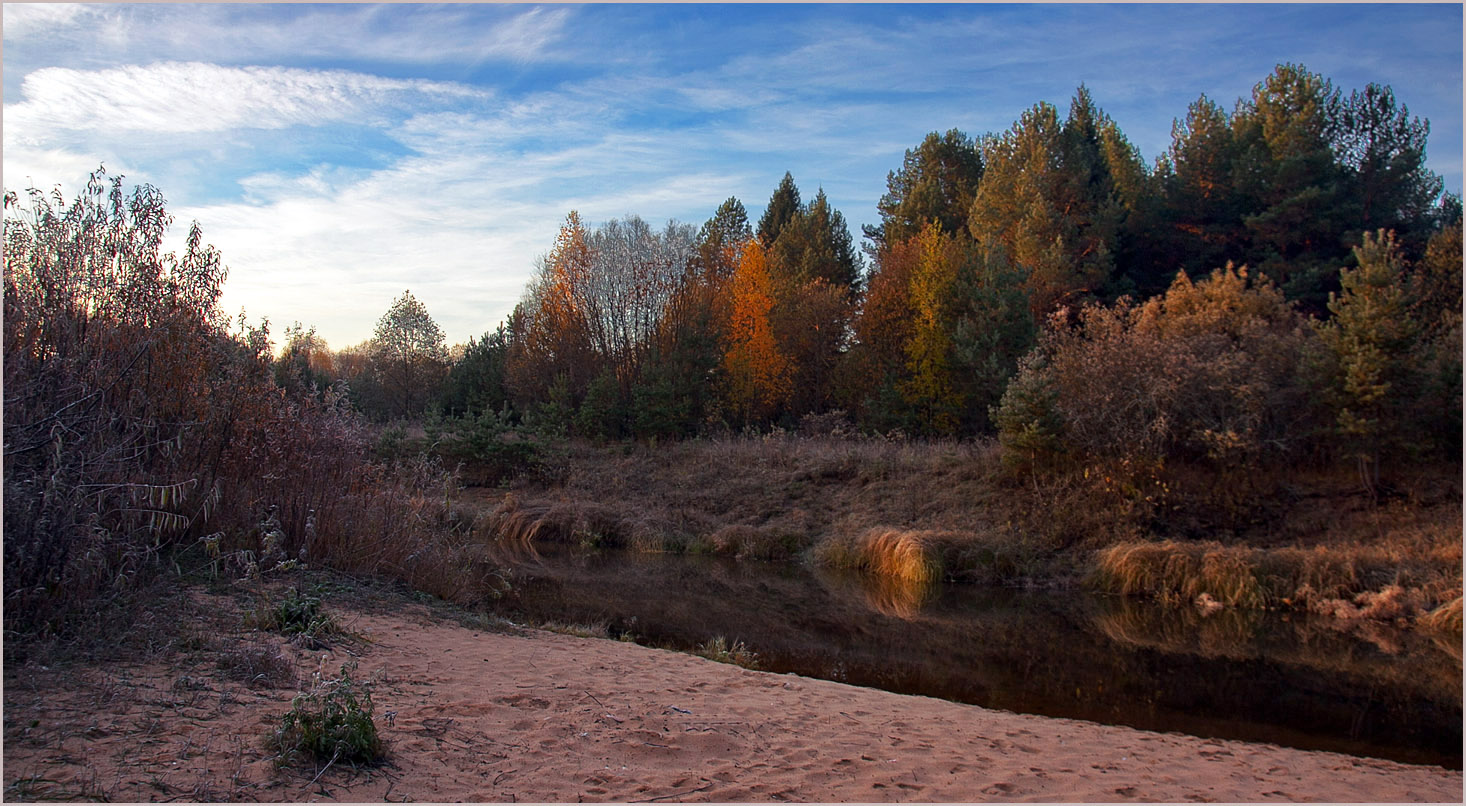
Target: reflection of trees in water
1369, 652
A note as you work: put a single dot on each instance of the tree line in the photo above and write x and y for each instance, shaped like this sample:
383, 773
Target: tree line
1296, 248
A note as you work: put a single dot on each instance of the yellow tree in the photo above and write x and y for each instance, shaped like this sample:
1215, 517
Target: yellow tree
929, 388
756, 372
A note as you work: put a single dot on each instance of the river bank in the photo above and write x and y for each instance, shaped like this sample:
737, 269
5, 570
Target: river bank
481, 711
1304, 539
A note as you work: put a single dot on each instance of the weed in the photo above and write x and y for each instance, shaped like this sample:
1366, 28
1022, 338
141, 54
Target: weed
332, 722
720, 650
258, 664
297, 615
601, 630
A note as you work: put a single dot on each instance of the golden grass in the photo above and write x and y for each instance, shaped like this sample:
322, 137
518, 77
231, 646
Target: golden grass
908, 555
1445, 618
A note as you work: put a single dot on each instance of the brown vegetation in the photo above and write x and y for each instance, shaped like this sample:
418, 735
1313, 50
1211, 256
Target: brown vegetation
914, 513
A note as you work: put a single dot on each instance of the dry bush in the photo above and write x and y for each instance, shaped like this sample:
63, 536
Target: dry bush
137, 421
1206, 374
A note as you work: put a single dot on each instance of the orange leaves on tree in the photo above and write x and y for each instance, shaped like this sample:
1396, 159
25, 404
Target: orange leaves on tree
757, 372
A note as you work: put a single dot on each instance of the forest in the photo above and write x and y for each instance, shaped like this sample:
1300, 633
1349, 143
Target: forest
1280, 289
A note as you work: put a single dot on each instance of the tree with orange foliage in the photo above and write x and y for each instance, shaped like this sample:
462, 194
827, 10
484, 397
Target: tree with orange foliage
756, 379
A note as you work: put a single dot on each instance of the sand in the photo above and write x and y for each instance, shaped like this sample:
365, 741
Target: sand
474, 715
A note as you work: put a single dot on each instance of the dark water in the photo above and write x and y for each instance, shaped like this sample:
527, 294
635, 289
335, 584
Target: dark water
1301, 682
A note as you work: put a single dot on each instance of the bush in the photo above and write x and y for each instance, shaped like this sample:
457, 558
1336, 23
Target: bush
138, 418
1208, 375
332, 722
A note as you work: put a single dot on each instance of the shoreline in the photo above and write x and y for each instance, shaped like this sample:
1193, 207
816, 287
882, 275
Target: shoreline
482, 715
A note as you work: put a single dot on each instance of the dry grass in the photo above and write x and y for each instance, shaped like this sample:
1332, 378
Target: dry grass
1350, 582
1445, 618
907, 555
915, 512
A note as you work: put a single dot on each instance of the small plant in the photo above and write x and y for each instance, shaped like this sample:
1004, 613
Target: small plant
258, 664
332, 722
720, 650
297, 615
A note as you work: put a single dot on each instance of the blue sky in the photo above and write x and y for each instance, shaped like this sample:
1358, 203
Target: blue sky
339, 154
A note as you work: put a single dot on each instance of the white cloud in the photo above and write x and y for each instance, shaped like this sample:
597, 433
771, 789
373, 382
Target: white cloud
198, 97
401, 34
29, 19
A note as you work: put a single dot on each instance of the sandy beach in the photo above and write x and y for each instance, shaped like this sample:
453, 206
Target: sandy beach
478, 715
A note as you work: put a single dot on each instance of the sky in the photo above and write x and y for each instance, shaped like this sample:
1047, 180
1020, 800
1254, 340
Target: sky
340, 154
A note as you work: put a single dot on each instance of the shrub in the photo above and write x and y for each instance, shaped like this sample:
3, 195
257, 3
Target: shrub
332, 722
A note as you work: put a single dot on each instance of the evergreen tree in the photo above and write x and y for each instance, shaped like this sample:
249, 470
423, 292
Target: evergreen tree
937, 182
1373, 343
783, 207
721, 238
476, 381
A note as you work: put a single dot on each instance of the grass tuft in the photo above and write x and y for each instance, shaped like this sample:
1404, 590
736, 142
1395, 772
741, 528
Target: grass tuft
718, 649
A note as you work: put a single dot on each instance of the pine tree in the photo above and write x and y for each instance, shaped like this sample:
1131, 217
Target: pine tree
1373, 342
783, 207
937, 182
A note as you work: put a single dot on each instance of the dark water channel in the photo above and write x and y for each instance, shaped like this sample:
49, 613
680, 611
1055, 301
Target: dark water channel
1297, 681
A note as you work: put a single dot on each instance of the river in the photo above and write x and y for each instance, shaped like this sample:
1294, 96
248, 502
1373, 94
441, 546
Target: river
1288, 679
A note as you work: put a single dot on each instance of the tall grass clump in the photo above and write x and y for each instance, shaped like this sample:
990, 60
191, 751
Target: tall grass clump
1445, 618
908, 555
1173, 571
139, 420
1352, 582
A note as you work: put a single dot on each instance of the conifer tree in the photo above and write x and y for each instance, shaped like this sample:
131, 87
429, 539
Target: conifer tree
783, 207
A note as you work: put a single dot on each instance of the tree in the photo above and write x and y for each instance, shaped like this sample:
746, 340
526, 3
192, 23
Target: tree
1204, 206
1383, 150
550, 329
930, 389
784, 205
305, 362
1046, 200
756, 374
721, 239
815, 245
1295, 186
937, 182
1373, 345
409, 356
476, 381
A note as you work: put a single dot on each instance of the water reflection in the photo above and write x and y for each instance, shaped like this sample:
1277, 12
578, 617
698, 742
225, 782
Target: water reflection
1303, 682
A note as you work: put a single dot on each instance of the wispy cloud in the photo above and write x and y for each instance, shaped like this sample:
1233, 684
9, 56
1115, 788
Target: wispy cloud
392, 33
199, 97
